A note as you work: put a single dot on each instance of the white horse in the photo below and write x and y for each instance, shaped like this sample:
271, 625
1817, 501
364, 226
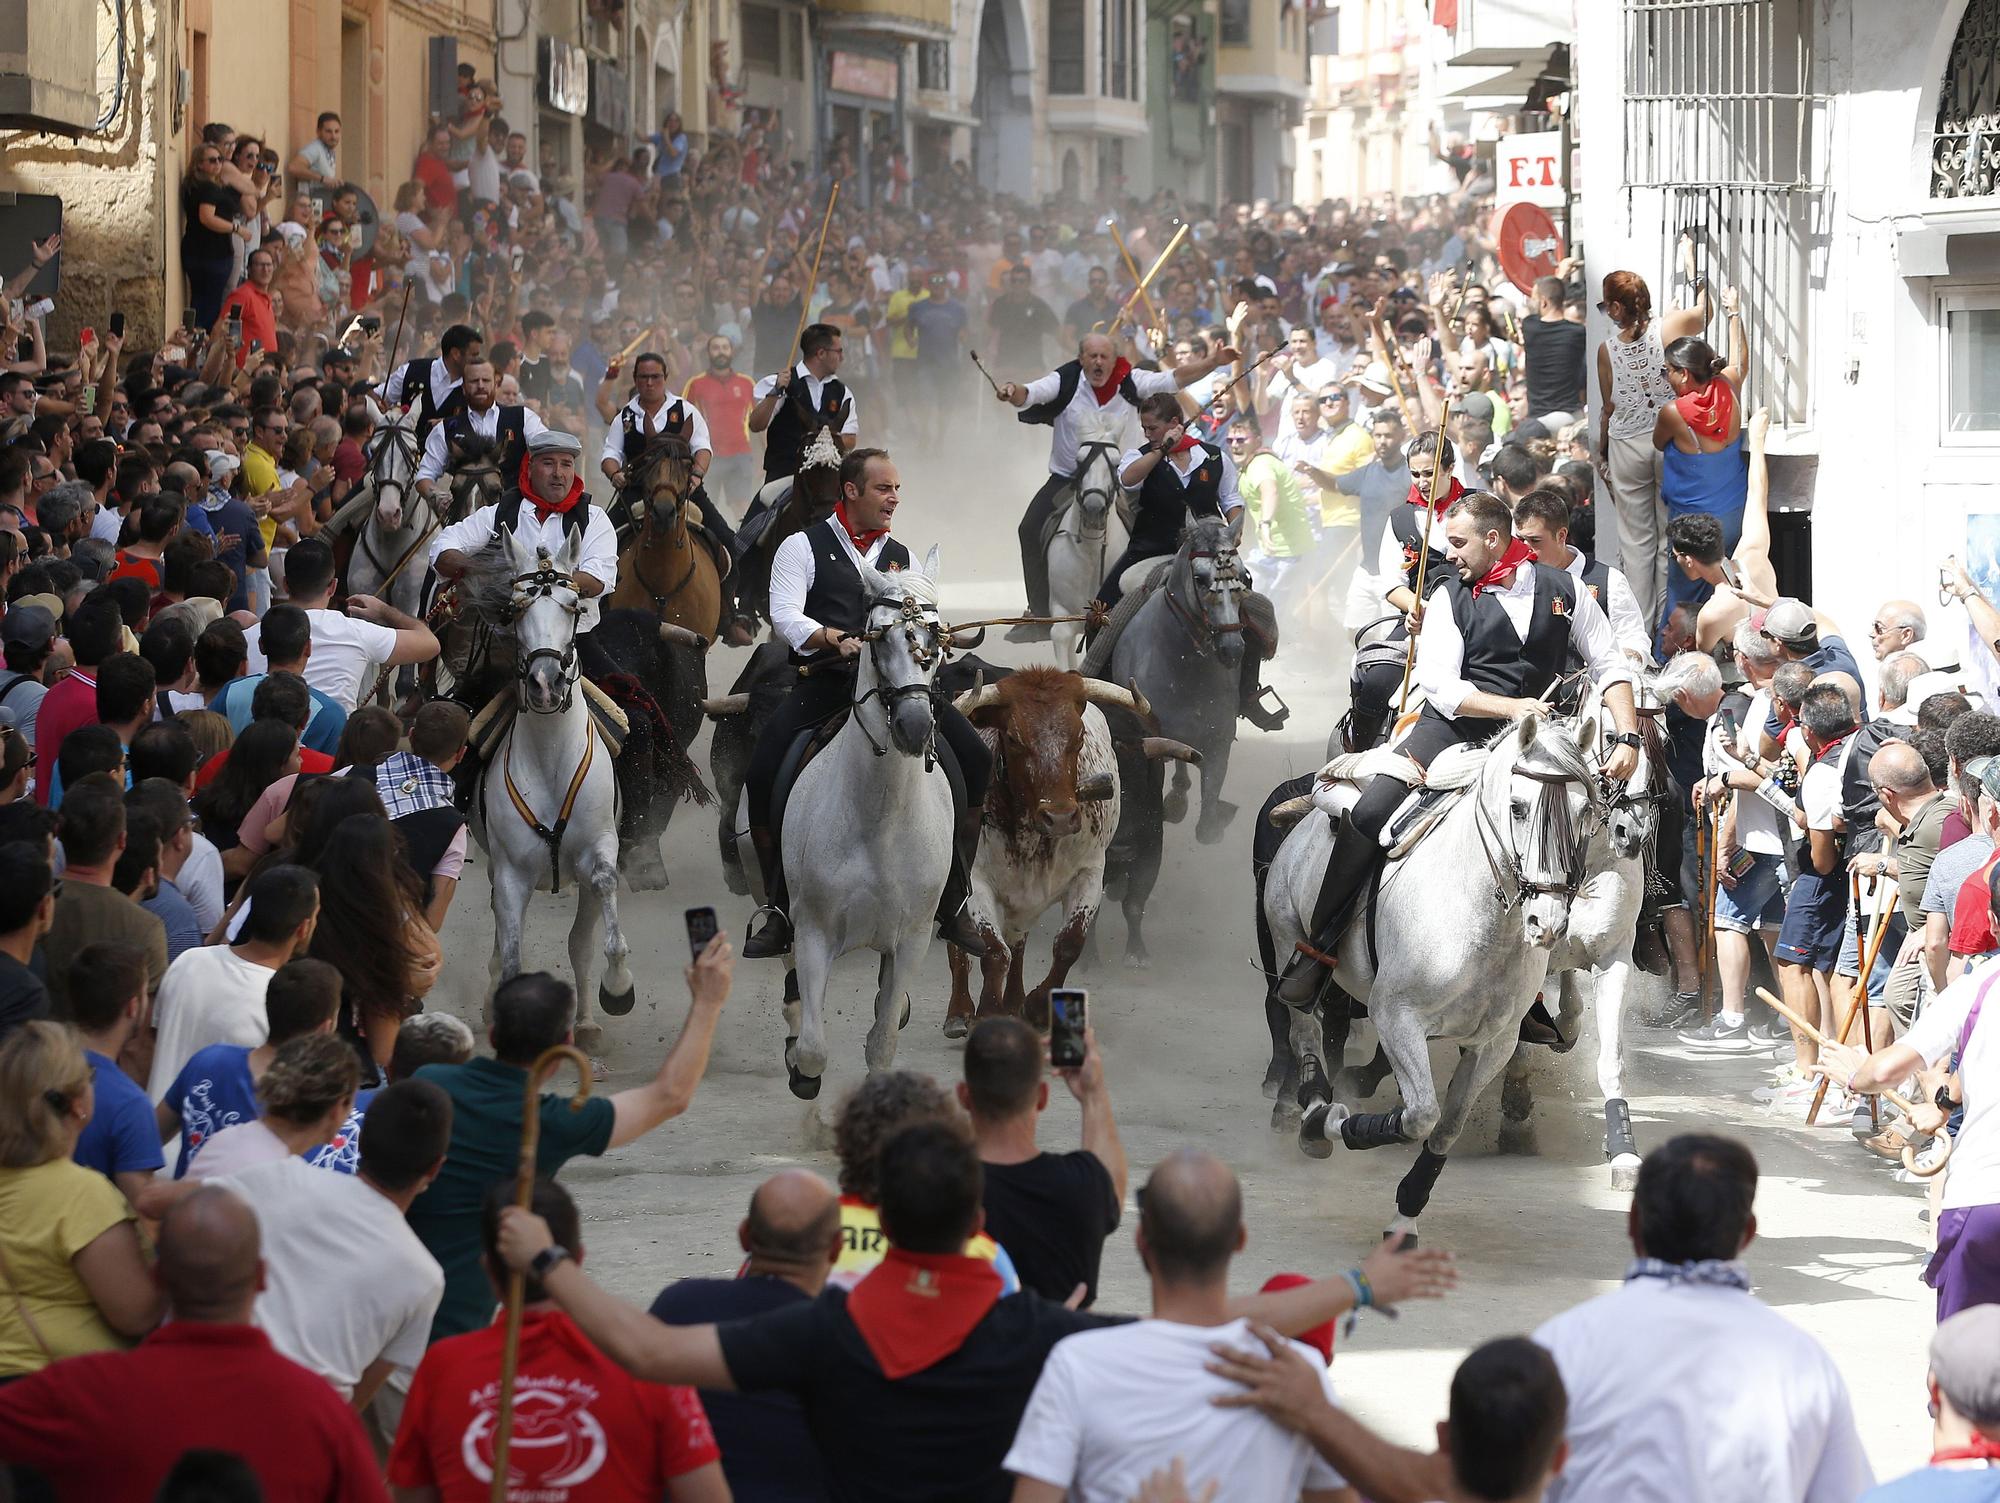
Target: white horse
1092, 532
548, 802
1463, 925
867, 828
388, 559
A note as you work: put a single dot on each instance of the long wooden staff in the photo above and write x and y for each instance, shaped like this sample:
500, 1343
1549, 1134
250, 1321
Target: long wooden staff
546, 1063
805, 301
1857, 1004
1430, 522
1152, 313
1902, 1104
1151, 272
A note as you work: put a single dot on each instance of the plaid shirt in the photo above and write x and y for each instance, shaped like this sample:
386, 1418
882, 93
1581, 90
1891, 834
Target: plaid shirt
408, 785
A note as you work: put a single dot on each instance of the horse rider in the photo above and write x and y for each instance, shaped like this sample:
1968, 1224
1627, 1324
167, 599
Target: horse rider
1377, 677
794, 405
1541, 520
483, 423
431, 386
1497, 632
819, 607
654, 414
1099, 380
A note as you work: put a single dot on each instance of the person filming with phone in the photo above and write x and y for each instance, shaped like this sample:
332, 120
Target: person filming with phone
1051, 1211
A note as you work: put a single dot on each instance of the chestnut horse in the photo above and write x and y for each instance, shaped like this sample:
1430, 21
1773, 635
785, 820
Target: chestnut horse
665, 568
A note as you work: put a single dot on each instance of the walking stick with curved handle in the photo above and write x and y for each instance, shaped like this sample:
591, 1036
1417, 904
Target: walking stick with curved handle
546, 1063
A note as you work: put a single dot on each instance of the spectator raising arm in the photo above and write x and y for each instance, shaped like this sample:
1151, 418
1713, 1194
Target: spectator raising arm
643, 1108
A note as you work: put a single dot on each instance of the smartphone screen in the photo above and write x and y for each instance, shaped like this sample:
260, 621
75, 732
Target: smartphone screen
117, 326
1730, 576
236, 315
702, 928
1068, 1015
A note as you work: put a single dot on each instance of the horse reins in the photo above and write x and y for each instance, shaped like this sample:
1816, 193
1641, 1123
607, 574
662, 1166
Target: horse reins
912, 611
544, 582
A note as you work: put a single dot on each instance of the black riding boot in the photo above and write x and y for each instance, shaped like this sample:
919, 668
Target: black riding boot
775, 938
954, 918
1348, 868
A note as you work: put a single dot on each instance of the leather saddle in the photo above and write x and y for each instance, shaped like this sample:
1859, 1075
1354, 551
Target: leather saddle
813, 740
1434, 793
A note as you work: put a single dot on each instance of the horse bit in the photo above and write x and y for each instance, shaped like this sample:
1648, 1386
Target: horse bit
1512, 871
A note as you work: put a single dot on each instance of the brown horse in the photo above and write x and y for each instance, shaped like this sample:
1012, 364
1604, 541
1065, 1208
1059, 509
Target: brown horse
665, 568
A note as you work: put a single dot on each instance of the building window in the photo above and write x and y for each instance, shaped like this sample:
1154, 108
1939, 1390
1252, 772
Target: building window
763, 38
1190, 51
1970, 318
1118, 43
934, 66
1236, 23
1066, 38
1721, 116
1965, 147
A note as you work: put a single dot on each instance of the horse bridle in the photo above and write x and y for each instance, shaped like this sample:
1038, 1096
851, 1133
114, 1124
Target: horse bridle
637, 498
1228, 575
915, 628
543, 582
1511, 873
404, 442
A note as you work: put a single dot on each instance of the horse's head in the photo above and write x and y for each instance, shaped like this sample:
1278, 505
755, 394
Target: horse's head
392, 467
663, 479
1099, 441
906, 647
544, 608
476, 480
1212, 577
1551, 801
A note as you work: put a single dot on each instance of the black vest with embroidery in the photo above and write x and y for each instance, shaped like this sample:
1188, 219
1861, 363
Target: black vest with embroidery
1067, 378
1596, 581
507, 513
427, 835
1497, 659
1165, 504
675, 420
509, 441
837, 598
420, 399
797, 420
1407, 522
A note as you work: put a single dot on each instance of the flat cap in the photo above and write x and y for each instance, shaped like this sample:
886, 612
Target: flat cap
555, 441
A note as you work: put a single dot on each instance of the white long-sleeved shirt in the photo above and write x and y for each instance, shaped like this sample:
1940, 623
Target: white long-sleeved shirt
1182, 468
614, 435
437, 452
1062, 443
1628, 622
443, 384
1441, 650
793, 568
850, 426
599, 558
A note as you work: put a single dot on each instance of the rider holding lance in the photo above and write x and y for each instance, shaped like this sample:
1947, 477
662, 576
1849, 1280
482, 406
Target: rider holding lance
1176, 476
431, 386
1099, 380
791, 407
819, 608
1497, 632
483, 421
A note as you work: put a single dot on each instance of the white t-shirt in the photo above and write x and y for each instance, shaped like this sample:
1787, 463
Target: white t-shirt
1699, 1394
346, 1280
200, 882
210, 995
241, 1146
1819, 795
1756, 821
1113, 1406
1974, 1176
345, 651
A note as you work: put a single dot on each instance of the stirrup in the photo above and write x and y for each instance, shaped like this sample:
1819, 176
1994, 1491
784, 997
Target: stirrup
1304, 974
773, 939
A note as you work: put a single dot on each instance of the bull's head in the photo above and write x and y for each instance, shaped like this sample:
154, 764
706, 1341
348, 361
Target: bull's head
1037, 717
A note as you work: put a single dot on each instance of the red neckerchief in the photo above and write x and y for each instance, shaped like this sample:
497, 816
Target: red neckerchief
1418, 497
546, 509
1188, 441
1109, 389
1709, 408
1981, 1449
1830, 746
1501, 575
915, 1309
862, 541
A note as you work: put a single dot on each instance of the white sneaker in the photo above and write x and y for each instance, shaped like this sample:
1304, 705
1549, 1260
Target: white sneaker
1783, 1081
1722, 1034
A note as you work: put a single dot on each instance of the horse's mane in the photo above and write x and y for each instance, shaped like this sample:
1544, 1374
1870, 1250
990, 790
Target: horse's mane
486, 589
912, 582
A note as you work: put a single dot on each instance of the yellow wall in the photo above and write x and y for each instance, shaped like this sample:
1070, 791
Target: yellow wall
1277, 46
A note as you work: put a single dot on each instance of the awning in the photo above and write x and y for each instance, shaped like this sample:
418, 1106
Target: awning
902, 17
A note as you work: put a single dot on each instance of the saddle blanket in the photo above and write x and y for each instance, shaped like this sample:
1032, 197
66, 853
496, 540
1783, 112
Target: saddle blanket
1433, 792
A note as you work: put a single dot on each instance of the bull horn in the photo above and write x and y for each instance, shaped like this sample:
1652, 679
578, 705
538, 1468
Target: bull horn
1098, 691
980, 696
681, 636
968, 641
1096, 789
725, 704
1291, 811
1157, 748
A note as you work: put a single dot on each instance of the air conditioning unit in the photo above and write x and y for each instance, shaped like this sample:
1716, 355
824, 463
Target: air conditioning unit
48, 65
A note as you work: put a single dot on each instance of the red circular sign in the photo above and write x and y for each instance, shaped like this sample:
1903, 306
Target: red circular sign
1530, 245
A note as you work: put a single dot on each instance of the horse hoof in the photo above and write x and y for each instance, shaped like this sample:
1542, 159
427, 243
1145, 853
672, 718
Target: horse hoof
643, 870
805, 1087
1284, 1116
903, 1020
957, 1025
1173, 808
617, 1004
1274, 1080
1625, 1172
1355, 1084
1314, 1142
1409, 1237
1215, 824
1138, 960
589, 1037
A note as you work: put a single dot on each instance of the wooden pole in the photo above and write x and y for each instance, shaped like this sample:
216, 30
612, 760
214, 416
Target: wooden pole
1151, 272
1133, 267
1857, 1004
517, 1283
805, 298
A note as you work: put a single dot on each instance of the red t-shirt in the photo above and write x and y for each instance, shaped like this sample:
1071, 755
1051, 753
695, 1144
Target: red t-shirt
1972, 915
110, 1426
260, 322
724, 403
440, 192
71, 703
350, 463
132, 566
310, 762
585, 1430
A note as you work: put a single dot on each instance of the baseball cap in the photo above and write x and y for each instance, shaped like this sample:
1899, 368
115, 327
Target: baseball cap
44, 601
29, 626
1965, 1360
1789, 620
222, 465
1473, 404
1985, 771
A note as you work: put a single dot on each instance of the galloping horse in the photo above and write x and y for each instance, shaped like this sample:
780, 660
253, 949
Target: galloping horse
665, 568
790, 506
388, 556
1090, 531
548, 802
476, 480
1513, 853
867, 827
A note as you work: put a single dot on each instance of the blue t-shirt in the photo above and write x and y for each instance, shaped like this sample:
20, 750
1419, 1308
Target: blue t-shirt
1831, 656
122, 1134
213, 1091
343, 1154
176, 915
230, 515
322, 731
937, 327
1940, 1484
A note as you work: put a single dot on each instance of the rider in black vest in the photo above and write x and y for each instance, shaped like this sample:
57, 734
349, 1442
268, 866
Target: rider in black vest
1179, 477
1496, 634
461, 434
430, 387
788, 413
819, 605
